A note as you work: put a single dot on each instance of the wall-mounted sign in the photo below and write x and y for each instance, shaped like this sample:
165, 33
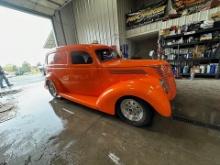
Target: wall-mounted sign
192, 6
148, 15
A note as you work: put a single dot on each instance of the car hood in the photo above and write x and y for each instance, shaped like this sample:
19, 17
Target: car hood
133, 63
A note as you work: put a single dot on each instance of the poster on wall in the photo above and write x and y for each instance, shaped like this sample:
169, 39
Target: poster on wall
193, 6
149, 14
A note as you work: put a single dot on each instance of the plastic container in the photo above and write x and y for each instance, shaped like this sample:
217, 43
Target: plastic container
208, 69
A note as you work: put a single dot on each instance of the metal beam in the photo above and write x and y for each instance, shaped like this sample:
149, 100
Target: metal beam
55, 32
23, 9
62, 28
55, 3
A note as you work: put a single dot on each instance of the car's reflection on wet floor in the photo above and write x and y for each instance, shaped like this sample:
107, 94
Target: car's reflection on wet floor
34, 123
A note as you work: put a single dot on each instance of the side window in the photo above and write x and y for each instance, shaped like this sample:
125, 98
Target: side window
81, 58
50, 58
60, 58
57, 58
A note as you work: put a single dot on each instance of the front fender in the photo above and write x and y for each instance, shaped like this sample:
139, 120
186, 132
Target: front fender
147, 89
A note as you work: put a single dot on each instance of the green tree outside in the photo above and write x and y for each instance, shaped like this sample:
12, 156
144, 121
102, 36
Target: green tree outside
10, 68
26, 67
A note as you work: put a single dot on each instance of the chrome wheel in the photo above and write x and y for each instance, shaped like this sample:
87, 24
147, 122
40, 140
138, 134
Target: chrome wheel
132, 109
52, 89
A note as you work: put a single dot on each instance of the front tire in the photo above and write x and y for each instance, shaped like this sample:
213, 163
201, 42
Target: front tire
134, 111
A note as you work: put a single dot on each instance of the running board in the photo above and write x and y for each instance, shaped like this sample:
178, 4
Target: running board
88, 101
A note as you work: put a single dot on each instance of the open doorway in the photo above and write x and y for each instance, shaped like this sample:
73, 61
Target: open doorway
143, 46
22, 46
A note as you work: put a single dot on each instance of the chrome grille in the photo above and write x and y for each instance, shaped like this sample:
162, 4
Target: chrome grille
165, 72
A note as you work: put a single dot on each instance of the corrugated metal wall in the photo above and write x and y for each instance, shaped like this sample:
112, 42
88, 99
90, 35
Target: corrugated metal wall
124, 7
58, 29
96, 20
156, 26
69, 24
65, 26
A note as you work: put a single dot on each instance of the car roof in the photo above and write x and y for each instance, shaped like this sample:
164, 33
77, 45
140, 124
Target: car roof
77, 46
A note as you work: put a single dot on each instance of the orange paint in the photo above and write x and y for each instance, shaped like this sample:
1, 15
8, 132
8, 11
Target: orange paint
100, 84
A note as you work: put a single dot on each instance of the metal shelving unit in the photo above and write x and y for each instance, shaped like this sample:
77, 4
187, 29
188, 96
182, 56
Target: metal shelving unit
177, 62
193, 33
192, 44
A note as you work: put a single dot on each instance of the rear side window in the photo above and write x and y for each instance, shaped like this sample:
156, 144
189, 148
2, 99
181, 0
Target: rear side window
81, 58
57, 58
50, 58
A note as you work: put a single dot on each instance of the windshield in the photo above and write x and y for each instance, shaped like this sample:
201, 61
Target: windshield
107, 54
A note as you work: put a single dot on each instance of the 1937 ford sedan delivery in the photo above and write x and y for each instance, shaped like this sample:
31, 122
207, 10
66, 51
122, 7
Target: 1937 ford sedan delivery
95, 76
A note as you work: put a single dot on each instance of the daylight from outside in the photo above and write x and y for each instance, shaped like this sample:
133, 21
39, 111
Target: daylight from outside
22, 56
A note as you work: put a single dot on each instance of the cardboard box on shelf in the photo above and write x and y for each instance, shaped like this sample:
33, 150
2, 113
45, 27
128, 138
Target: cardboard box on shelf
198, 52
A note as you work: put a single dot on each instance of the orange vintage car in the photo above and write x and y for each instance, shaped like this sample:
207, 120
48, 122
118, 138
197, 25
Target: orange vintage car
95, 76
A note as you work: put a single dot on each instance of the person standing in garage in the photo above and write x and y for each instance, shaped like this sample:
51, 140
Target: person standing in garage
3, 77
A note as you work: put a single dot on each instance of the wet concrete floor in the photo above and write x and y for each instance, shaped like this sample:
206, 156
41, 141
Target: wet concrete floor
199, 100
50, 131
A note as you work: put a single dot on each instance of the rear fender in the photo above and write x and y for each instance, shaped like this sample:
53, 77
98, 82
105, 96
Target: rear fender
147, 89
56, 81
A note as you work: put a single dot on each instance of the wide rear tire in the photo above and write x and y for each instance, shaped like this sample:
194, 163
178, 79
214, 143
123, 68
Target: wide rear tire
52, 89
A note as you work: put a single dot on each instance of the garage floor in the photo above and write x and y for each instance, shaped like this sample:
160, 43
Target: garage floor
199, 100
40, 130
